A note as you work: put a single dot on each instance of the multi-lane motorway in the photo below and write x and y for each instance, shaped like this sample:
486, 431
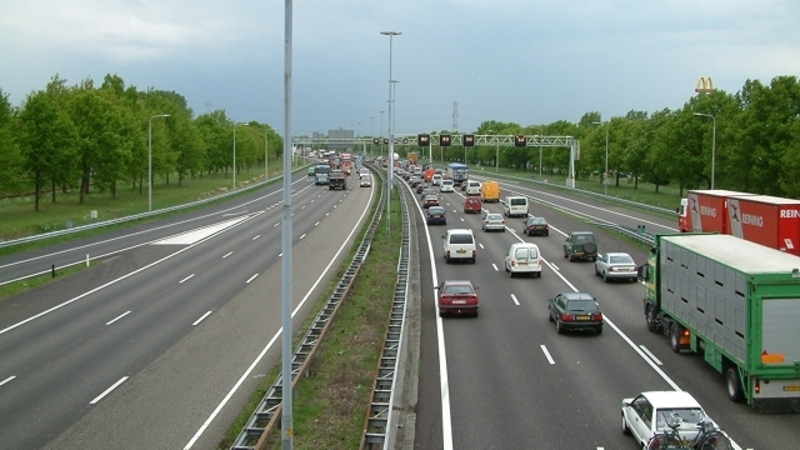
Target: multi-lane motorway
161, 345
506, 380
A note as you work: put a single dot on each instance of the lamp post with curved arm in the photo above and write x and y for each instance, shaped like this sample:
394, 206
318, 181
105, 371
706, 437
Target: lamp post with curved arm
150, 160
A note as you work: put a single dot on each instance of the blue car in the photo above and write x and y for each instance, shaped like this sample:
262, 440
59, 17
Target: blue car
435, 215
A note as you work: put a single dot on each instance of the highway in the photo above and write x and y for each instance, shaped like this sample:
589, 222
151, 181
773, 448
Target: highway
507, 380
162, 344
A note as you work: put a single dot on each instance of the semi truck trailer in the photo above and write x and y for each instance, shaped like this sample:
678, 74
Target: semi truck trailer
735, 302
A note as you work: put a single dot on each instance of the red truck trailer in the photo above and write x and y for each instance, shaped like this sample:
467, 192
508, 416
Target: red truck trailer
706, 211
766, 220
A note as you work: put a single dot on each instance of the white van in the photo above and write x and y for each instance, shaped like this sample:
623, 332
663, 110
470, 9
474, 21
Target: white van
436, 180
473, 187
524, 257
514, 206
459, 244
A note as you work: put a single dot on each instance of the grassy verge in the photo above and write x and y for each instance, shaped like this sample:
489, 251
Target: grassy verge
11, 289
331, 404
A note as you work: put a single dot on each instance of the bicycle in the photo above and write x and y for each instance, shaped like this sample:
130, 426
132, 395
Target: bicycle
708, 437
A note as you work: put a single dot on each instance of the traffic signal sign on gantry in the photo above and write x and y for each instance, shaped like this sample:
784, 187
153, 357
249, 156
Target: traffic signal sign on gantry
444, 140
468, 140
376, 141
520, 140
424, 140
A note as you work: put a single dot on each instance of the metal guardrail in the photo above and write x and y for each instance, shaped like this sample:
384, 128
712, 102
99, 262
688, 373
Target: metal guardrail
607, 198
105, 223
267, 413
638, 235
380, 411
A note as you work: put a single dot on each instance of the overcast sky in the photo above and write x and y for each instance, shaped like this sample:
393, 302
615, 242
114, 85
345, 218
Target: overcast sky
523, 61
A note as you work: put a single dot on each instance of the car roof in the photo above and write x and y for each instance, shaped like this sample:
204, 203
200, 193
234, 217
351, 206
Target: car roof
494, 215
435, 207
582, 232
577, 296
452, 282
427, 196
460, 231
617, 254
523, 244
671, 399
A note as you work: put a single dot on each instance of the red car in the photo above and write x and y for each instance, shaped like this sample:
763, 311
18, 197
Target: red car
457, 297
473, 205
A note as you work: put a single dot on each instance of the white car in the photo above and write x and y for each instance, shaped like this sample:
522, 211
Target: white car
459, 244
647, 414
493, 222
615, 266
447, 186
365, 181
524, 257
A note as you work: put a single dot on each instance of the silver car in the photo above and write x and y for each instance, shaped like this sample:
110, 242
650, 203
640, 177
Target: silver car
615, 266
494, 222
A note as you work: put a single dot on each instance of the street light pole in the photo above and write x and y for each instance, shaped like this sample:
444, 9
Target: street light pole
713, 143
234, 153
391, 35
150, 160
266, 155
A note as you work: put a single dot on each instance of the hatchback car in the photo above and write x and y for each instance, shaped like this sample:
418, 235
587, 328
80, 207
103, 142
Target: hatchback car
310, 172
365, 181
447, 186
414, 181
457, 297
436, 215
615, 266
430, 200
536, 225
574, 311
648, 414
493, 222
473, 205
427, 191
421, 187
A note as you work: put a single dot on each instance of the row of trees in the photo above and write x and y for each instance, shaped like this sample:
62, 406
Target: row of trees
82, 137
757, 142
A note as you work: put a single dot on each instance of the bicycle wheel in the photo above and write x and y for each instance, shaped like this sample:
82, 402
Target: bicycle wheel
715, 440
663, 442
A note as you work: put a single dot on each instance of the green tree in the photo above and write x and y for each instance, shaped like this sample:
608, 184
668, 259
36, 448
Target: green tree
10, 157
45, 134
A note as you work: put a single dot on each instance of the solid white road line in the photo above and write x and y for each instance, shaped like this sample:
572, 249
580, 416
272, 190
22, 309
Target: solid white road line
118, 317
108, 391
547, 354
201, 318
7, 380
186, 279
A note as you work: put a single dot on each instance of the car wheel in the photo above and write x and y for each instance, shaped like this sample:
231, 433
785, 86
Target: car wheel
510, 273
599, 329
625, 430
734, 385
473, 260
550, 315
596, 272
559, 327
547, 233
503, 230
605, 277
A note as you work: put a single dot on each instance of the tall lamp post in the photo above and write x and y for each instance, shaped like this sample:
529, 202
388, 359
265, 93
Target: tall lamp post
713, 143
605, 174
391, 35
266, 155
150, 160
234, 152
541, 130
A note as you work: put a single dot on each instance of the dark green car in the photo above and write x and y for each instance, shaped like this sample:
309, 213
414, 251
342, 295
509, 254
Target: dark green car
580, 245
310, 171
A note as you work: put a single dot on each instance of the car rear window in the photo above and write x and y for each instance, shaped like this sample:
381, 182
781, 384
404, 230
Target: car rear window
461, 289
519, 201
461, 238
621, 260
582, 305
526, 253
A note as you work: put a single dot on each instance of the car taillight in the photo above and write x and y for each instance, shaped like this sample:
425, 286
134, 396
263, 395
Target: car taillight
611, 269
567, 317
597, 317
513, 263
474, 253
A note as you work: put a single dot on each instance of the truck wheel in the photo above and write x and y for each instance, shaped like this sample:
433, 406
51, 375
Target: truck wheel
675, 332
650, 318
734, 385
